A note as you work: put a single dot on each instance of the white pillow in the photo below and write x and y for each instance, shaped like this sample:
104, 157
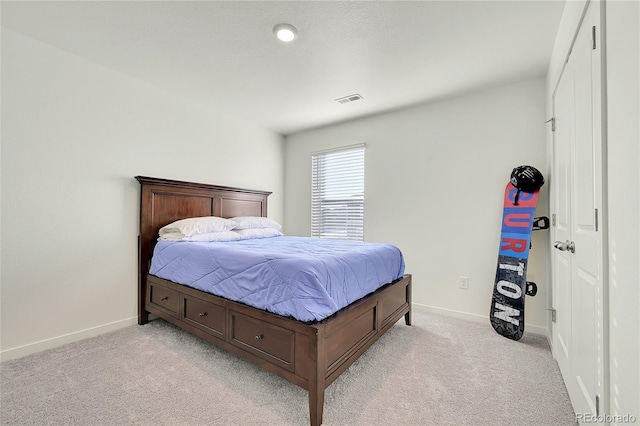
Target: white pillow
255, 222
198, 225
210, 236
257, 233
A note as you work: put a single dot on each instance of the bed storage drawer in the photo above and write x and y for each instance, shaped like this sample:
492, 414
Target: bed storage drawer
205, 315
164, 298
268, 341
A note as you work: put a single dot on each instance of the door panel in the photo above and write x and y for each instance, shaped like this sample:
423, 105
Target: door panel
562, 260
583, 174
584, 336
564, 310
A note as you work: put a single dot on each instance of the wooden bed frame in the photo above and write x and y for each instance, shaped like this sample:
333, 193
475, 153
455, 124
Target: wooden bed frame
311, 355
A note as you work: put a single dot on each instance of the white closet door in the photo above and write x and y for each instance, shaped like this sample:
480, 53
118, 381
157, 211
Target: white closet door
578, 258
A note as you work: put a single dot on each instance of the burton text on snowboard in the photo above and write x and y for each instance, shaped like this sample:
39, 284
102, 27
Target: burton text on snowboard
510, 287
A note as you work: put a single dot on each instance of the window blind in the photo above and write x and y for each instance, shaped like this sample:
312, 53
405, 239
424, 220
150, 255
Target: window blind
337, 194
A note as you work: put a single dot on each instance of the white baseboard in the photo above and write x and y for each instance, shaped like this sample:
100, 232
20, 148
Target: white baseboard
54, 342
535, 329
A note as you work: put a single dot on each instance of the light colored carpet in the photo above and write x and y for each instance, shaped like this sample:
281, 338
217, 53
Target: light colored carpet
440, 371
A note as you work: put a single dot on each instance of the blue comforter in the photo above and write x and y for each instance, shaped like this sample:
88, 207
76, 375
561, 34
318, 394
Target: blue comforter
305, 278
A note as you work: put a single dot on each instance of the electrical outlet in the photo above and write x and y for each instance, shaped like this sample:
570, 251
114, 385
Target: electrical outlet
464, 283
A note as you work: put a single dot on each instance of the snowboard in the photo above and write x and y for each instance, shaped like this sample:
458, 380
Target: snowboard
511, 286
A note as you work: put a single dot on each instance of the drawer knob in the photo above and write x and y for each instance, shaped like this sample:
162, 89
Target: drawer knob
202, 314
259, 336
164, 298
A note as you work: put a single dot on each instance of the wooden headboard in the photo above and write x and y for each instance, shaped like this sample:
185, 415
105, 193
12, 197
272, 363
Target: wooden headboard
163, 201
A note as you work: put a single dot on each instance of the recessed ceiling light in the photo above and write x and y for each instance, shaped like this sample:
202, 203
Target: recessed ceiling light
285, 32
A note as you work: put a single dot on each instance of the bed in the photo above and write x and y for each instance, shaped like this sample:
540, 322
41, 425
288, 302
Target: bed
310, 354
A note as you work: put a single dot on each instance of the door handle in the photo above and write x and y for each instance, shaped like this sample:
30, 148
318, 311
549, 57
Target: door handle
566, 246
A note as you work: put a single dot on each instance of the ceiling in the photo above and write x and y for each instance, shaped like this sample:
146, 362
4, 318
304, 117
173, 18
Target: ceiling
223, 53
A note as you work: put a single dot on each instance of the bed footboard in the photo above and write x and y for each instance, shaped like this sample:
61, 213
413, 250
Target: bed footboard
311, 356
342, 338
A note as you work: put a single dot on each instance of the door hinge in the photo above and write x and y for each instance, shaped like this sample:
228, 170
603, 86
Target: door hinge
553, 123
597, 405
553, 314
593, 37
596, 220
553, 219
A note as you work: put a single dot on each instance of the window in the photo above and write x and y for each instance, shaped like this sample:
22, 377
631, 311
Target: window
337, 194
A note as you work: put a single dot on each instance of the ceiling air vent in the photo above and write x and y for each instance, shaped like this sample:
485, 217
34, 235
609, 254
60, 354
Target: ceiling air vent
350, 98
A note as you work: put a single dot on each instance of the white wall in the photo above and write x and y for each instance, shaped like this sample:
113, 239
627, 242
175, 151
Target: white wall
74, 135
435, 179
623, 136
